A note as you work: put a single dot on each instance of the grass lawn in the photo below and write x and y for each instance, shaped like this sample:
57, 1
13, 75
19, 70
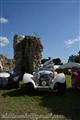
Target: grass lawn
18, 104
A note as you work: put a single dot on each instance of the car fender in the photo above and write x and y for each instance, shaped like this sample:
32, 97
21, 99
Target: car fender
60, 78
4, 75
28, 78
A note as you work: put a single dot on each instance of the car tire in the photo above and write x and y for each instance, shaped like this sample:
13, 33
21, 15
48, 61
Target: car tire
61, 87
29, 87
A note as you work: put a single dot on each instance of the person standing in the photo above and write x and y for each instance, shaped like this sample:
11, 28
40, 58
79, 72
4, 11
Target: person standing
74, 77
78, 80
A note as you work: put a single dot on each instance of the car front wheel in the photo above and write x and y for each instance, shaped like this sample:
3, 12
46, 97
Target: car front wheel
29, 86
61, 87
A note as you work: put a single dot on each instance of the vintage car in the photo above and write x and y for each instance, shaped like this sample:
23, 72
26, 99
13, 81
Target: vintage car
9, 79
45, 78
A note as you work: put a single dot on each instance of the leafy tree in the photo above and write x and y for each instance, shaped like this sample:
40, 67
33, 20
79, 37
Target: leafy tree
57, 61
74, 58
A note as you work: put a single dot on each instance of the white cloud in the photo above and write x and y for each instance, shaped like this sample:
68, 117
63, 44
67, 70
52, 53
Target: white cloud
3, 20
3, 41
71, 42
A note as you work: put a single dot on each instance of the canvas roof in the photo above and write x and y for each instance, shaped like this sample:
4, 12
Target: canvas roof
70, 65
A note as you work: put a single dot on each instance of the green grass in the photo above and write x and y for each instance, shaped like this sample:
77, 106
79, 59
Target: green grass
68, 81
40, 105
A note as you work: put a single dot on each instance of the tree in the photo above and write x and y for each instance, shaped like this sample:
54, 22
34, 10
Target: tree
57, 61
79, 53
45, 60
71, 58
74, 58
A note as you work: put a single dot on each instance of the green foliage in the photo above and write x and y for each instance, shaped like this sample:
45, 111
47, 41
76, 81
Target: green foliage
68, 81
7, 63
75, 58
57, 61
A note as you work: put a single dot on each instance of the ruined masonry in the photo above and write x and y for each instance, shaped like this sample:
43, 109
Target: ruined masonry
27, 53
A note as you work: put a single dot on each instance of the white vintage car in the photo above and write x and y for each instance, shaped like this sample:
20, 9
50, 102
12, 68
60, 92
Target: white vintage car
45, 78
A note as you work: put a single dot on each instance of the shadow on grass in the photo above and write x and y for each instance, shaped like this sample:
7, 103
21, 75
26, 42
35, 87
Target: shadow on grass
67, 104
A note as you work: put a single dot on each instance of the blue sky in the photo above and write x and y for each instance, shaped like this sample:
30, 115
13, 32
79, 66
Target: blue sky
57, 22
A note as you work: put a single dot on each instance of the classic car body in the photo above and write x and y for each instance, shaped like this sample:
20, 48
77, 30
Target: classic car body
45, 78
8, 79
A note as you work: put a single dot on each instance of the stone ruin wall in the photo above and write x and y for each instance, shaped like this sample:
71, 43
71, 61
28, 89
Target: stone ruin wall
27, 53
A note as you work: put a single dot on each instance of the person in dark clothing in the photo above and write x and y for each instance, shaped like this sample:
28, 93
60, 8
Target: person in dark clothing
78, 80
